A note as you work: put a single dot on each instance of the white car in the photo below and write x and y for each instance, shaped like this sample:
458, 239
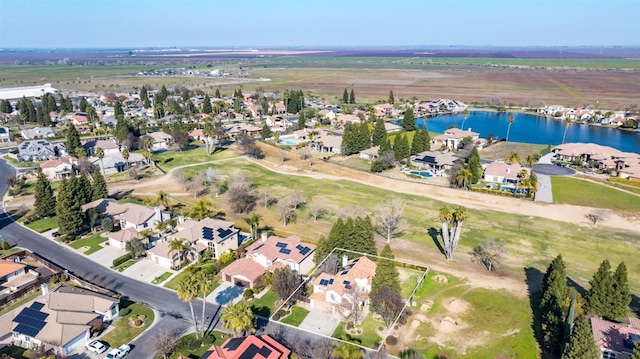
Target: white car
97, 347
119, 352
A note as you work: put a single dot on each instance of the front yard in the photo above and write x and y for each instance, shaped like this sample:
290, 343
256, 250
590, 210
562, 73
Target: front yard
296, 317
43, 225
91, 242
368, 337
265, 305
122, 332
190, 347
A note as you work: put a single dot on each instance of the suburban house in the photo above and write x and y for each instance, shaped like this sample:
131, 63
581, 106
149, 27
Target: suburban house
208, 234
623, 164
115, 162
268, 254
499, 172
384, 110
328, 114
109, 147
331, 291
79, 119
14, 275
37, 132
243, 128
343, 119
615, 340
452, 137
438, 162
39, 150
59, 167
160, 140
326, 144
370, 154
63, 319
5, 134
250, 347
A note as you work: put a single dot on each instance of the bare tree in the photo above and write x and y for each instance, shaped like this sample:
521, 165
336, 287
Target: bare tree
194, 186
282, 156
330, 265
353, 308
387, 218
316, 210
287, 211
388, 159
285, 282
241, 196
164, 342
181, 176
212, 176
305, 153
597, 215
312, 350
388, 304
11, 180
351, 211
296, 199
490, 253
265, 197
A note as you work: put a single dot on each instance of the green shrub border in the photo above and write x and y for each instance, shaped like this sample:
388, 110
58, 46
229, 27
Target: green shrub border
118, 261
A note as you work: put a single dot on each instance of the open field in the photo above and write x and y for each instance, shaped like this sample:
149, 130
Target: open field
581, 192
502, 150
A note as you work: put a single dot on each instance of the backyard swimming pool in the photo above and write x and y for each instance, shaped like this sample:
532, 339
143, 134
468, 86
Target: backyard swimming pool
289, 142
423, 174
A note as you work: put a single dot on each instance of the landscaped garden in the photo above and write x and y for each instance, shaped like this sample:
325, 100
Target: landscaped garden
90, 243
296, 316
134, 319
190, 347
265, 305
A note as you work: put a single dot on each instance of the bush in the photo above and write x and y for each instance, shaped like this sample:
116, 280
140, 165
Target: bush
248, 294
142, 317
5, 245
391, 340
624, 181
378, 166
118, 261
107, 224
124, 312
279, 314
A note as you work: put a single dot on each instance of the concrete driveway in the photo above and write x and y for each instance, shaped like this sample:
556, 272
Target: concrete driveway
321, 322
106, 255
544, 193
146, 271
226, 293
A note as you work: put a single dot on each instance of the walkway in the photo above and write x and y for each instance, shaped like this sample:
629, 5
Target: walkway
544, 193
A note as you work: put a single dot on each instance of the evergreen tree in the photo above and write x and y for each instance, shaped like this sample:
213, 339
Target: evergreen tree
83, 188
386, 272
379, 133
401, 149
621, 297
352, 234
473, 165
409, 120
391, 99
417, 145
352, 97
581, 344
99, 188
385, 147
82, 106
45, 202
51, 104
348, 138
601, 292
266, 131
73, 139
122, 130
345, 96
68, 209
5, 106
217, 95
144, 96
554, 289
162, 95
68, 104
117, 110
363, 137
636, 351
302, 121
206, 105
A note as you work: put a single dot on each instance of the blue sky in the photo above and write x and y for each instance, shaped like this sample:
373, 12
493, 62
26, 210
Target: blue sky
226, 23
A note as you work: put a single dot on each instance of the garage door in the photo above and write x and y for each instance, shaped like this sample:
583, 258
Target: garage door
77, 342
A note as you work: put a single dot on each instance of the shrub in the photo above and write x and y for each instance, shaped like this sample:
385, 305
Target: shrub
118, 261
279, 314
5, 245
124, 312
248, 294
391, 340
107, 224
142, 317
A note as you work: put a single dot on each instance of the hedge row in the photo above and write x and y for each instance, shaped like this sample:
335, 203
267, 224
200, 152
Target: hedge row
625, 181
492, 191
118, 261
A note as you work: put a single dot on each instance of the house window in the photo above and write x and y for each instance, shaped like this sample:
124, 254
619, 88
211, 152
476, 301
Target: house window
609, 355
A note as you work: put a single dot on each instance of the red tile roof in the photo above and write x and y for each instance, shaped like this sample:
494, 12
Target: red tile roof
257, 347
272, 251
245, 267
611, 336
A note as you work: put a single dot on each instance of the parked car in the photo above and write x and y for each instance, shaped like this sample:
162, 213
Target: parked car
120, 352
97, 347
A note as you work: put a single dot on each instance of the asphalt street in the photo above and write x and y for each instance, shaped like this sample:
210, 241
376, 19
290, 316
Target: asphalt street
173, 313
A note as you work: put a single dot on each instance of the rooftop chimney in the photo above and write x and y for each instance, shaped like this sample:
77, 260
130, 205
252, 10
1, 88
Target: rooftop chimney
263, 237
45, 289
345, 260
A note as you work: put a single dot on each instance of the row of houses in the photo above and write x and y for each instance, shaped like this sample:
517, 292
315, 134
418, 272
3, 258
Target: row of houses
615, 118
623, 164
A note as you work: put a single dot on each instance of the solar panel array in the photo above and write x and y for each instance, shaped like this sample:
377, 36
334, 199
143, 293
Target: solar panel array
285, 251
305, 250
224, 232
207, 233
234, 343
281, 245
31, 320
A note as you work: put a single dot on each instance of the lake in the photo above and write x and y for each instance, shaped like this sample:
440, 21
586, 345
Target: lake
534, 129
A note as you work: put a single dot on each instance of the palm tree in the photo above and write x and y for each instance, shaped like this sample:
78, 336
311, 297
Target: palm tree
204, 280
530, 160
238, 318
465, 115
125, 155
146, 235
147, 155
209, 131
514, 157
201, 210
254, 223
463, 178
510, 119
148, 143
162, 198
178, 245
186, 293
346, 351
567, 123
100, 155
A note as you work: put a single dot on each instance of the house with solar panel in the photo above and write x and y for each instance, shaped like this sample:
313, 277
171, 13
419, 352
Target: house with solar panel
268, 254
208, 234
250, 347
332, 291
63, 319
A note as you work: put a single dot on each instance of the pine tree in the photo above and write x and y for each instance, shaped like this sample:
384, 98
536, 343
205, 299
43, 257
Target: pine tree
409, 120
379, 133
68, 104
581, 344
217, 95
45, 202
206, 105
68, 209
144, 96
401, 149
99, 188
601, 292
621, 297
385, 147
82, 186
386, 272
473, 165
352, 234
302, 121
352, 97
554, 289
391, 99
416, 144
73, 139
82, 106
266, 131
636, 351
118, 111
345, 96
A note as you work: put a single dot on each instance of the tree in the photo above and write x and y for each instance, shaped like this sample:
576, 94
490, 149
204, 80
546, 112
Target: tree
68, 209
409, 120
451, 223
510, 119
601, 292
567, 123
473, 164
45, 202
597, 215
201, 210
388, 303
162, 198
379, 133
621, 297
581, 344
346, 351
249, 147
238, 318
163, 343
266, 131
187, 293
287, 211
203, 281
265, 197
345, 96
387, 218
254, 224
636, 351
316, 210
391, 98
73, 139
125, 155
352, 97
554, 289
513, 157
386, 272
489, 253
181, 137
99, 187
206, 105
180, 246
285, 282
463, 178
240, 196
355, 234
135, 247
401, 148
465, 115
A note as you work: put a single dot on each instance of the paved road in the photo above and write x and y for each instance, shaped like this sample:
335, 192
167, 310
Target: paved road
552, 170
544, 193
173, 313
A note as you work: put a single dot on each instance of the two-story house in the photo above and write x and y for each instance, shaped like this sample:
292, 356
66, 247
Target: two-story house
452, 137
59, 168
615, 340
14, 275
40, 150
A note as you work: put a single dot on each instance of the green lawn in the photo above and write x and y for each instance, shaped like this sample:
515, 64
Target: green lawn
10, 251
169, 160
264, 306
369, 338
16, 352
173, 283
191, 347
125, 265
92, 241
296, 317
43, 225
125, 333
161, 278
585, 193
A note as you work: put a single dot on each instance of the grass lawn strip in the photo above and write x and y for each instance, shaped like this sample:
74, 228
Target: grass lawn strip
43, 225
296, 317
125, 265
122, 332
369, 338
173, 283
191, 347
162, 278
585, 193
93, 242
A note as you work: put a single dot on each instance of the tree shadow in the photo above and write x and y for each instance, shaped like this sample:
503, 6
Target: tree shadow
262, 311
435, 236
534, 287
118, 195
580, 289
168, 160
635, 304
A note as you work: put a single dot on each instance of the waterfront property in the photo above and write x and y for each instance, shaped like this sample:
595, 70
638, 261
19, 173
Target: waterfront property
503, 173
452, 137
437, 162
622, 164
